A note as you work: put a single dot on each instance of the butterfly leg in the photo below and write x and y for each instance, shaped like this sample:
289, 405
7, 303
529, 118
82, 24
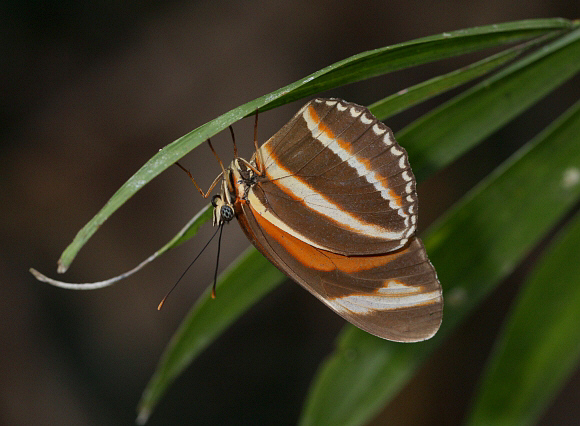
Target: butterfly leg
259, 160
204, 194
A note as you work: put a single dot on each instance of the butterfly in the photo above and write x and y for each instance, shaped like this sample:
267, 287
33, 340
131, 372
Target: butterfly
330, 200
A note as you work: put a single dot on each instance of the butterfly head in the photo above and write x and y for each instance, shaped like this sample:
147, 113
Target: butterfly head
223, 211
223, 203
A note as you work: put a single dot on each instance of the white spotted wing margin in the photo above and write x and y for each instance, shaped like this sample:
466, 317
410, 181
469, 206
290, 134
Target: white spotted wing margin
336, 210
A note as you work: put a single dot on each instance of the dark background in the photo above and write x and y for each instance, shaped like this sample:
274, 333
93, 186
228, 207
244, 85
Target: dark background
89, 92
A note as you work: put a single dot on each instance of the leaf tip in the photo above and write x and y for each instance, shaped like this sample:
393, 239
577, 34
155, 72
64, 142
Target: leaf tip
37, 275
142, 416
61, 266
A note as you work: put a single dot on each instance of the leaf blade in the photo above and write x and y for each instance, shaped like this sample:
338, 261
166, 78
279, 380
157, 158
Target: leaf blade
450, 130
420, 51
528, 368
185, 233
355, 68
248, 278
413, 95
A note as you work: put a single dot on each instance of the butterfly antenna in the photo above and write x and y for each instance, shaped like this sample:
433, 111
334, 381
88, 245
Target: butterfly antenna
187, 269
217, 262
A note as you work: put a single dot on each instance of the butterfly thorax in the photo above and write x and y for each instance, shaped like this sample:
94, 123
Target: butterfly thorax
237, 181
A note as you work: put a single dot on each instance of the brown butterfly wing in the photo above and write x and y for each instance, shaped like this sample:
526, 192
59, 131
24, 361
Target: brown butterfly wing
336, 210
395, 296
336, 178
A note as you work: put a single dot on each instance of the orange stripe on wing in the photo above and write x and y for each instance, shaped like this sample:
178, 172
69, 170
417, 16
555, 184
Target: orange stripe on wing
352, 264
304, 253
323, 127
319, 259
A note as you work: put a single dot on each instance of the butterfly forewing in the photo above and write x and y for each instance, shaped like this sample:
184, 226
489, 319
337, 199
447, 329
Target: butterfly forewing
336, 178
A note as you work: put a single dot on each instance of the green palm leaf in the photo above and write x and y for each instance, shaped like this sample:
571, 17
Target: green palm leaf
489, 224
529, 368
355, 68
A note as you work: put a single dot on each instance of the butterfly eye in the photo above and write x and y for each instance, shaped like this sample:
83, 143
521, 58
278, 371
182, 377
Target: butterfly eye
227, 213
215, 199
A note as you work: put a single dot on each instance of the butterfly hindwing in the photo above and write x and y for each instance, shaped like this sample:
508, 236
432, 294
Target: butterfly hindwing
395, 295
